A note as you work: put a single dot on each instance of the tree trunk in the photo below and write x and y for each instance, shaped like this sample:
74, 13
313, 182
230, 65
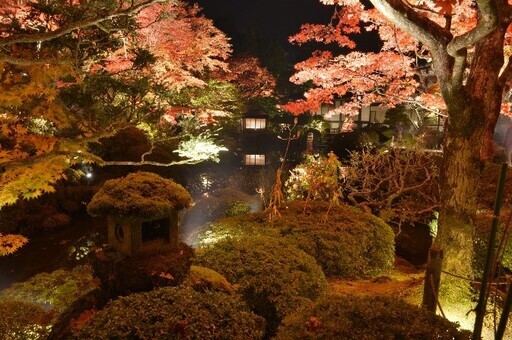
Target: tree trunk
459, 182
473, 110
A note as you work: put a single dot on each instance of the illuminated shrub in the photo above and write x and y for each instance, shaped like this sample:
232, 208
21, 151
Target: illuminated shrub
316, 178
141, 194
370, 317
344, 240
203, 279
175, 313
221, 203
56, 290
21, 320
273, 275
151, 268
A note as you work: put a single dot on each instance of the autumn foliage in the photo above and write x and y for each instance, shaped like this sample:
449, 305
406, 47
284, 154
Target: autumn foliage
73, 72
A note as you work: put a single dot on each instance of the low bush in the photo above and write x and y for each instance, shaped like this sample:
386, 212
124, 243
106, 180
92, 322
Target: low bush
273, 275
56, 290
174, 313
202, 279
344, 240
150, 268
21, 320
370, 317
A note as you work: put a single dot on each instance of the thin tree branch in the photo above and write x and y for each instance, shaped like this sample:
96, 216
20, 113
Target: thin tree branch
66, 29
406, 18
488, 14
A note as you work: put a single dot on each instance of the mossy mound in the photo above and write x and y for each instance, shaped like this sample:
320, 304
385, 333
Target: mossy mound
149, 269
174, 313
142, 194
273, 275
371, 318
344, 240
202, 279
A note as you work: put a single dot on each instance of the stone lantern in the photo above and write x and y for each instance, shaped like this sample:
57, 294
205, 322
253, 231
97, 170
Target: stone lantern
142, 211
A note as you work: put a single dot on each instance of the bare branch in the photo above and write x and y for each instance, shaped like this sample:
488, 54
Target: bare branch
66, 29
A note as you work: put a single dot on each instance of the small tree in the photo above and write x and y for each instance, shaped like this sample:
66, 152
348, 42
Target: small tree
399, 185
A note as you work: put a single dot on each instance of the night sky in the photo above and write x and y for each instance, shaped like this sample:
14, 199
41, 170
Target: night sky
272, 20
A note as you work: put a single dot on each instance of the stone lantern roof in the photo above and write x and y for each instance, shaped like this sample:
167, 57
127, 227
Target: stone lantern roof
141, 195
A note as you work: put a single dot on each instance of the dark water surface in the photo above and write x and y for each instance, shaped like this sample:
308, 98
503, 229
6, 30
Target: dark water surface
50, 250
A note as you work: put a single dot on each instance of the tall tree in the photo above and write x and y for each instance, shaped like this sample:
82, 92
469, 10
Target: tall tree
466, 45
72, 72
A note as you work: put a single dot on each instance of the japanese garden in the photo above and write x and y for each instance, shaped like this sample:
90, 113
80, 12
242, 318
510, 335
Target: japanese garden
313, 169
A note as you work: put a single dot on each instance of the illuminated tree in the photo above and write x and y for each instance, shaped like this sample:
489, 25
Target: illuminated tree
73, 72
449, 57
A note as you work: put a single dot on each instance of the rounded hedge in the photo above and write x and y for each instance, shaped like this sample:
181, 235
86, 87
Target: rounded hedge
368, 317
140, 194
273, 275
344, 240
174, 313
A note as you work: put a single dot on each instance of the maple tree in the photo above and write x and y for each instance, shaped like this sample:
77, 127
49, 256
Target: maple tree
73, 72
450, 57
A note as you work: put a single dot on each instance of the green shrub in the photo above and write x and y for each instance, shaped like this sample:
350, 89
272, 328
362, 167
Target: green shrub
151, 268
56, 290
21, 320
221, 203
174, 313
370, 317
273, 276
344, 240
141, 194
201, 279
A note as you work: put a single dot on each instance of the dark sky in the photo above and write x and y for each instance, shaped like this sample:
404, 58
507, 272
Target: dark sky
274, 20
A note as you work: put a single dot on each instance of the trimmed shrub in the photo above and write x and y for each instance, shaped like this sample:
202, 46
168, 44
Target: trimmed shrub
174, 313
202, 279
56, 290
273, 275
21, 320
141, 194
150, 268
344, 240
370, 317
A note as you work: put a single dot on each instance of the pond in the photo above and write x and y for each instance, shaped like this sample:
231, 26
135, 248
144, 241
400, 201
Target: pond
51, 250
69, 245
